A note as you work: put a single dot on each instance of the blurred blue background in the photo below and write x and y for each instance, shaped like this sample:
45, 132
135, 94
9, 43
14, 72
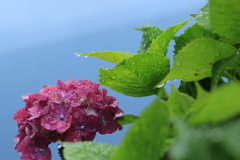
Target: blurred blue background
39, 38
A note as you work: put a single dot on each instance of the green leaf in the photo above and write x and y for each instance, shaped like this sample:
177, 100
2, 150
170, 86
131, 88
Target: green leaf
127, 119
137, 75
195, 61
203, 17
110, 56
221, 105
218, 69
145, 140
160, 44
87, 150
225, 19
207, 142
179, 103
149, 33
193, 32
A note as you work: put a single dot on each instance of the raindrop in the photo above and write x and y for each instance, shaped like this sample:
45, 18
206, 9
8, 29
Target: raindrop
175, 80
161, 85
78, 55
61, 117
237, 52
85, 56
82, 128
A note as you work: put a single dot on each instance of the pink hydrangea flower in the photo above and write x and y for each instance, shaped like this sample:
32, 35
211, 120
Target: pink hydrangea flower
72, 111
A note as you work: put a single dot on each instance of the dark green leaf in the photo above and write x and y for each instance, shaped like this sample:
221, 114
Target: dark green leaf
218, 69
145, 140
137, 75
193, 32
87, 151
149, 33
127, 119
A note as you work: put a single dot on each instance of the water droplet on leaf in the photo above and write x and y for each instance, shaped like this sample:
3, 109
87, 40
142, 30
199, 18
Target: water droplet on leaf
161, 85
85, 56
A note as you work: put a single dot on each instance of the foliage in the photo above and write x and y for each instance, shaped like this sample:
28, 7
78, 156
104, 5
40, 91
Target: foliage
199, 119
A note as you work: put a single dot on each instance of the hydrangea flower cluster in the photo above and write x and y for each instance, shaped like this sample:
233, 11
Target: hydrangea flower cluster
72, 111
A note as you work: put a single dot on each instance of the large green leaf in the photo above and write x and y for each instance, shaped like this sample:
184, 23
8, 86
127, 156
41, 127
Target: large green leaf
203, 17
110, 56
160, 44
219, 106
225, 18
145, 140
149, 33
137, 75
195, 61
219, 142
179, 103
87, 151
193, 32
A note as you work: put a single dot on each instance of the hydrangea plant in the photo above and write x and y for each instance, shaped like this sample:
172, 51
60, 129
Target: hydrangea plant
198, 120
70, 112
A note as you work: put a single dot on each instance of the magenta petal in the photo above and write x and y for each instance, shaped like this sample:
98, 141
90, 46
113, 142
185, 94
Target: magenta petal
21, 115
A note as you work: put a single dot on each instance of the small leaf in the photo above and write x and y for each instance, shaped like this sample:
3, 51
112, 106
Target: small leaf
195, 61
145, 140
137, 75
149, 33
220, 105
160, 44
218, 69
203, 17
110, 56
224, 16
179, 103
193, 32
127, 119
87, 151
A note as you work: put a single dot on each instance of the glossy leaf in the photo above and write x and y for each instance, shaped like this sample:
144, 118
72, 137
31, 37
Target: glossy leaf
87, 150
221, 105
160, 44
224, 16
193, 32
137, 75
149, 33
195, 61
179, 103
110, 56
146, 138
127, 119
